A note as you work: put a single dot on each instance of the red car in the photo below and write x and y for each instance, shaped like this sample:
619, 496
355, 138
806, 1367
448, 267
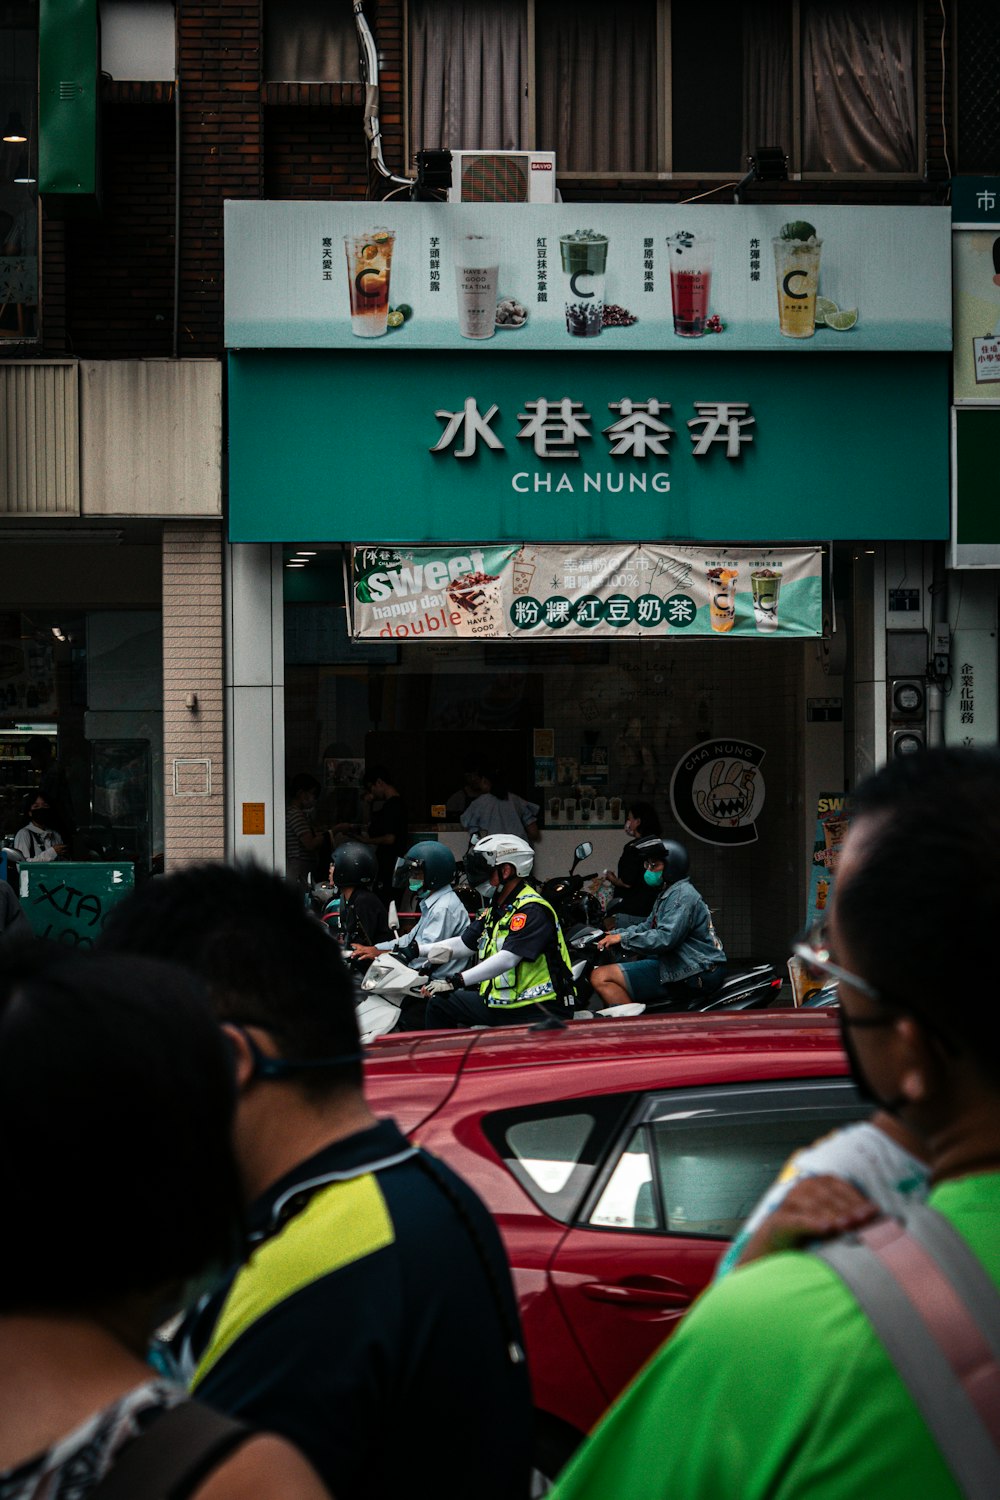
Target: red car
617, 1158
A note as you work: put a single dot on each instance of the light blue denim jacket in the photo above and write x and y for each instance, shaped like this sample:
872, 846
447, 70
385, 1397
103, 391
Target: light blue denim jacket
679, 932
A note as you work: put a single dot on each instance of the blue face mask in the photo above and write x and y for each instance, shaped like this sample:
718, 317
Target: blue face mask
415, 885
653, 877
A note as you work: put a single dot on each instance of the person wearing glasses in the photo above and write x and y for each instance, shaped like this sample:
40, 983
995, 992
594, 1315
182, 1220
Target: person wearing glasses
673, 957
776, 1383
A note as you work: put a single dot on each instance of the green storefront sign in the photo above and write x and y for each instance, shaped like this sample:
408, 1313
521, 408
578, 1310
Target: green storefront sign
342, 445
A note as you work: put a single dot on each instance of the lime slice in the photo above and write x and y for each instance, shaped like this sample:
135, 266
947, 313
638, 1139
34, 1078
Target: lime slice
842, 321
395, 319
824, 307
369, 252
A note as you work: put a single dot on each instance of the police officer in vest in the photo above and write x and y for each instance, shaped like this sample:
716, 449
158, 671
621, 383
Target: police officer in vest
522, 971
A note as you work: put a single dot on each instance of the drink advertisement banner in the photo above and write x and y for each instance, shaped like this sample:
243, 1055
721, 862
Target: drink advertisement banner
597, 277
538, 593
977, 314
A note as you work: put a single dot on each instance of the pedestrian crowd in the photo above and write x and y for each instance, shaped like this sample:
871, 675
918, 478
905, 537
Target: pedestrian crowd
221, 1275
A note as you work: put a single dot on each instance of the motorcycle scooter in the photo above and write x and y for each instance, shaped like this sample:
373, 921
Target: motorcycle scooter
573, 905
383, 991
744, 989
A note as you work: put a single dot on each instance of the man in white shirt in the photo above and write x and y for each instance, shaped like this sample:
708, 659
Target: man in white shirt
426, 870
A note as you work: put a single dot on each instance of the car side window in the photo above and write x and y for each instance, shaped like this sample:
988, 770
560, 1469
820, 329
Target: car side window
555, 1150
700, 1159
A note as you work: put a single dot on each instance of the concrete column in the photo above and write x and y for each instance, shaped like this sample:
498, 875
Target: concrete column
193, 794
255, 705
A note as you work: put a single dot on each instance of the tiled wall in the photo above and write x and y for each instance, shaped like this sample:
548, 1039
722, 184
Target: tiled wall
193, 760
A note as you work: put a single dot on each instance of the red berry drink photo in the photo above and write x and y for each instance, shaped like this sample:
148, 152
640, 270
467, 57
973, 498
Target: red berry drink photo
690, 282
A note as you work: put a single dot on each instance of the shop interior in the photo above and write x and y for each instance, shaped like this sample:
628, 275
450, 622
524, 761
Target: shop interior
612, 718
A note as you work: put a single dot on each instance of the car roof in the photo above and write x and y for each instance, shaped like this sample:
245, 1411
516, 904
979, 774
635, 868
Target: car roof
411, 1075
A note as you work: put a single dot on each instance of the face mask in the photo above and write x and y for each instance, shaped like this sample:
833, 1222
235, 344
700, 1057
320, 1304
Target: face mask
415, 885
630, 827
858, 1075
485, 889
653, 877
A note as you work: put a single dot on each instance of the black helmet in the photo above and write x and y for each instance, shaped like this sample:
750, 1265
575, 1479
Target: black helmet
428, 861
354, 864
674, 856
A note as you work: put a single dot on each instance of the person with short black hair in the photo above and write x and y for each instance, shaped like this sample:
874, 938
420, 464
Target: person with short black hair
307, 848
119, 1189
377, 1279
818, 1406
38, 840
387, 824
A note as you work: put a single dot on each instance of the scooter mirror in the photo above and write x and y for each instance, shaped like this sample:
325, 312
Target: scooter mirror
584, 850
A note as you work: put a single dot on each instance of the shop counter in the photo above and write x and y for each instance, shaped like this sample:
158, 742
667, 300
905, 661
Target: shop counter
554, 847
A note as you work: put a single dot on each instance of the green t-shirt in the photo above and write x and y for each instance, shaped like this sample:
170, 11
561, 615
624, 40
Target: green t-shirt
774, 1385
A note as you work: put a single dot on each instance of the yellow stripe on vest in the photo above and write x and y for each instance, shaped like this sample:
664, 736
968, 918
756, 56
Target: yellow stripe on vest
343, 1223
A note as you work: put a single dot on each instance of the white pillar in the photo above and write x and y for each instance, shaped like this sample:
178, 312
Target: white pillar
255, 705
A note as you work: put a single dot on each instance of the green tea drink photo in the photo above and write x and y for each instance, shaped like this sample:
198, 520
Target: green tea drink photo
796, 272
584, 255
765, 585
369, 259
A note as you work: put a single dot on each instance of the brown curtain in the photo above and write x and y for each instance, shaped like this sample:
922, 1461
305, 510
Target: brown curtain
310, 41
858, 98
596, 68
468, 75
767, 79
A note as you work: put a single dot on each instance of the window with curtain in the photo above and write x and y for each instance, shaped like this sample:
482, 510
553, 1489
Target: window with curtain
596, 85
859, 111
606, 102
310, 41
468, 75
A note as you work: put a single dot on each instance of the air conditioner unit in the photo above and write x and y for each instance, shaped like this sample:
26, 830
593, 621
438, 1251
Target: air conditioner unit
503, 177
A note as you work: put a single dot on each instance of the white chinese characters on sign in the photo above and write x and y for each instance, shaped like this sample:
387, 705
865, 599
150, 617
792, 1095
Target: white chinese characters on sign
472, 425
555, 427
721, 422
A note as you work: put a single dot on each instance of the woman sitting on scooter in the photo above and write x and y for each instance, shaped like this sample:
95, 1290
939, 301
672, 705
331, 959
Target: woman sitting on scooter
363, 917
634, 897
674, 955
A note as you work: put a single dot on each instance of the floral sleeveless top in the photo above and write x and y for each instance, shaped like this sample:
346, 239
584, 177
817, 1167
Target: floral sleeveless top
74, 1465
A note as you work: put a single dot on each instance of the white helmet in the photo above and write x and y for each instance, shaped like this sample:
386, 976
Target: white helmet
499, 849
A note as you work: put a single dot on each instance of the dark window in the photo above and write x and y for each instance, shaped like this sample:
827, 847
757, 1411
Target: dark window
701, 1159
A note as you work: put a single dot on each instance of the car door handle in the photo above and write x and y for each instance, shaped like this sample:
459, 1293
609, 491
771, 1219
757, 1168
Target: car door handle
651, 1291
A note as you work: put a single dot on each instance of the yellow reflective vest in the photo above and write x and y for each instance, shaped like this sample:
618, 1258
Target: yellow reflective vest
530, 981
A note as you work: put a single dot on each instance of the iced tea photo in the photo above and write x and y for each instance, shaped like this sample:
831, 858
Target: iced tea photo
369, 259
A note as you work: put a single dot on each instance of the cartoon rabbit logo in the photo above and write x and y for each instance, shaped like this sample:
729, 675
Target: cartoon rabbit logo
730, 796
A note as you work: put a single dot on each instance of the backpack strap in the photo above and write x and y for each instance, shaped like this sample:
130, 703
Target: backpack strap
937, 1313
173, 1455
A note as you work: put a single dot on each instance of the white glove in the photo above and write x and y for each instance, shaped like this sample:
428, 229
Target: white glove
439, 953
440, 987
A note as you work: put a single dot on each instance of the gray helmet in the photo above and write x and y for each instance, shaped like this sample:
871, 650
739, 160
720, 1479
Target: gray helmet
676, 862
429, 861
354, 864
